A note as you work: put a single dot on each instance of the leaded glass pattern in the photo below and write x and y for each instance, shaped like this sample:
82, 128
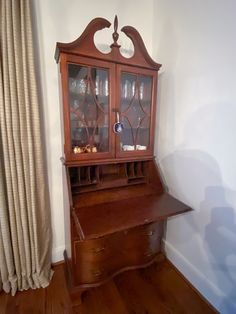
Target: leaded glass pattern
135, 107
89, 108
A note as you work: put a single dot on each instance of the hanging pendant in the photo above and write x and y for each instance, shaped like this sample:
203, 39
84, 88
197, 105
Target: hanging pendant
118, 126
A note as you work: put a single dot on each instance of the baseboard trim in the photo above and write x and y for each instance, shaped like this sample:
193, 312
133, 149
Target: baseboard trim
58, 263
205, 288
57, 254
191, 286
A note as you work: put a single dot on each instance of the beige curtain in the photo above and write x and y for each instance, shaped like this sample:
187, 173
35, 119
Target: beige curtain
25, 230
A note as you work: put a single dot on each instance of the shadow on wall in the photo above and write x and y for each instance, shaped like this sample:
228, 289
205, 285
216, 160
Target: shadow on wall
204, 178
220, 236
207, 236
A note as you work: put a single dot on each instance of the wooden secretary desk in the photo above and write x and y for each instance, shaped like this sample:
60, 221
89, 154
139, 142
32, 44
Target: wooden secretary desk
117, 201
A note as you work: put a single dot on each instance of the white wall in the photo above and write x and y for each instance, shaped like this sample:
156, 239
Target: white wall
64, 21
195, 42
196, 143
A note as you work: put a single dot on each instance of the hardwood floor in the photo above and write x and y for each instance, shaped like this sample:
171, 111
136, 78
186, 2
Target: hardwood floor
156, 289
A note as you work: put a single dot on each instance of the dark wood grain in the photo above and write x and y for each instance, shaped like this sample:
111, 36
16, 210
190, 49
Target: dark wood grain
84, 46
112, 195
156, 289
145, 300
174, 289
124, 214
57, 299
103, 258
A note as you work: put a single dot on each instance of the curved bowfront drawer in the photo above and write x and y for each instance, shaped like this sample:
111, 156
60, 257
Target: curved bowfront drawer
97, 259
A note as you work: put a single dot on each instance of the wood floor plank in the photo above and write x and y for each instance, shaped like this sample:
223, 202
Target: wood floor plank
12, 307
28, 302
175, 290
112, 298
57, 296
103, 300
153, 290
140, 295
3, 302
163, 291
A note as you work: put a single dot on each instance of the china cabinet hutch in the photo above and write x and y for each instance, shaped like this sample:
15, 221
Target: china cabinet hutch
118, 204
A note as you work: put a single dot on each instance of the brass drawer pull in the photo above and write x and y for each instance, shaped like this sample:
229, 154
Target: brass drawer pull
97, 273
150, 233
97, 250
148, 254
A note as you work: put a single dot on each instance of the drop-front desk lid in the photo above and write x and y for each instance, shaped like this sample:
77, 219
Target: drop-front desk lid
102, 219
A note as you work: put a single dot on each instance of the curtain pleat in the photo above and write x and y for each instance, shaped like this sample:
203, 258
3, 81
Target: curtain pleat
25, 229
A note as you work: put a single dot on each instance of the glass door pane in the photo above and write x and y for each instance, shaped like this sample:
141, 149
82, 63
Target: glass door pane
135, 111
89, 109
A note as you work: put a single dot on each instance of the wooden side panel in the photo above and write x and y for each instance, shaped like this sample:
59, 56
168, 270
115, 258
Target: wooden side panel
67, 198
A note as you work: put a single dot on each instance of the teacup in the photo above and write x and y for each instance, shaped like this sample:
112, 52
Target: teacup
128, 147
140, 147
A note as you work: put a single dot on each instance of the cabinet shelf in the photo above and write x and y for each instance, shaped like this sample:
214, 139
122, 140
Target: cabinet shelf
136, 177
107, 126
135, 128
80, 97
143, 101
84, 183
91, 127
104, 99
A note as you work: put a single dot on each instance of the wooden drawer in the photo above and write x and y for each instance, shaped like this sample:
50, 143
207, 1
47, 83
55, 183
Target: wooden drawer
97, 259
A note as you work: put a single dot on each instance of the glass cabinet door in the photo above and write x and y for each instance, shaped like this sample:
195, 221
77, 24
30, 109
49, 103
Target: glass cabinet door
89, 110
135, 111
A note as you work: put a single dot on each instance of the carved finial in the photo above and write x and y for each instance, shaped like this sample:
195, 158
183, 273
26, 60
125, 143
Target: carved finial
115, 35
